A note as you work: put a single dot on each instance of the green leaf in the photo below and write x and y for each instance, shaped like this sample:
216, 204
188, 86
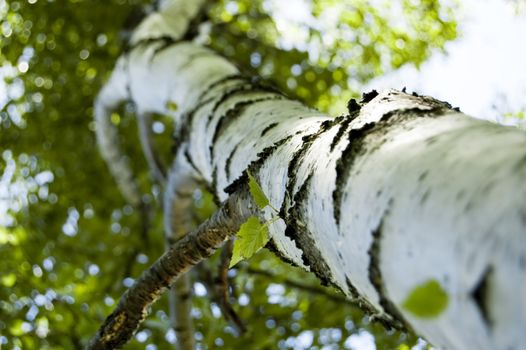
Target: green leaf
257, 192
252, 236
427, 300
171, 106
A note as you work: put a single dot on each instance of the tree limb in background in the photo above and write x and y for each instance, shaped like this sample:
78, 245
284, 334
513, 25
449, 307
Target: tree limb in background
222, 285
155, 164
112, 94
211, 283
178, 219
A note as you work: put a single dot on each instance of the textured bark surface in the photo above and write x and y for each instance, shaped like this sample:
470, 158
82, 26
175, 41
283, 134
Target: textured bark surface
401, 191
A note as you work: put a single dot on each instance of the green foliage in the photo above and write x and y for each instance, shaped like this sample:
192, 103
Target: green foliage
252, 236
257, 192
69, 243
427, 300
325, 58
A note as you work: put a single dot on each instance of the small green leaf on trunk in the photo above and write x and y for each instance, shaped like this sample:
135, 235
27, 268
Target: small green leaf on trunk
257, 192
427, 300
252, 236
171, 106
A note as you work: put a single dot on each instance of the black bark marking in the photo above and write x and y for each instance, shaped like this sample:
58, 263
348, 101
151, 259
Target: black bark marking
187, 120
255, 165
271, 246
352, 289
437, 111
342, 128
226, 95
297, 231
368, 96
237, 184
425, 196
228, 161
375, 276
213, 186
268, 128
241, 88
521, 163
356, 138
233, 114
469, 205
420, 103
227, 79
344, 164
296, 160
265, 154
423, 176
242, 78
188, 158
353, 106
480, 294
165, 40
488, 187
360, 301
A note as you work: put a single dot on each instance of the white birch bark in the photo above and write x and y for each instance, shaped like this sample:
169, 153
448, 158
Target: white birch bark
403, 191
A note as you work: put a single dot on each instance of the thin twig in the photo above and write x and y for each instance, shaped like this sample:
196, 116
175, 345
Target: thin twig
298, 285
223, 289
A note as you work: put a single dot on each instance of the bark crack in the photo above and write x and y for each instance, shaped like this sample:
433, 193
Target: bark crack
480, 294
392, 317
233, 114
298, 156
344, 164
298, 232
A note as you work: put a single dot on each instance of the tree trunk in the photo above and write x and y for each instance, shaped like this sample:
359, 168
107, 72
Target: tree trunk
402, 198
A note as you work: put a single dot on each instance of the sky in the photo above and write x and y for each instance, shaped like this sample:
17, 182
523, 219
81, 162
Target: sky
483, 68
486, 66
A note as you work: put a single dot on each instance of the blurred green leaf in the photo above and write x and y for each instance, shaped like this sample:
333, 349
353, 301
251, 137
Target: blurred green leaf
427, 300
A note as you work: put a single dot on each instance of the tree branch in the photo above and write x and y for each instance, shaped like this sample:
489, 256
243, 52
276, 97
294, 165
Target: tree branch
132, 309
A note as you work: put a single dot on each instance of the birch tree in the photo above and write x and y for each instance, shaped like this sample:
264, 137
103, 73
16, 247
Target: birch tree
413, 210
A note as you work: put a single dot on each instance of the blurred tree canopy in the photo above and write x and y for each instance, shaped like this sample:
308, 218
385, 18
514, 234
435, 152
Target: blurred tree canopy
70, 245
